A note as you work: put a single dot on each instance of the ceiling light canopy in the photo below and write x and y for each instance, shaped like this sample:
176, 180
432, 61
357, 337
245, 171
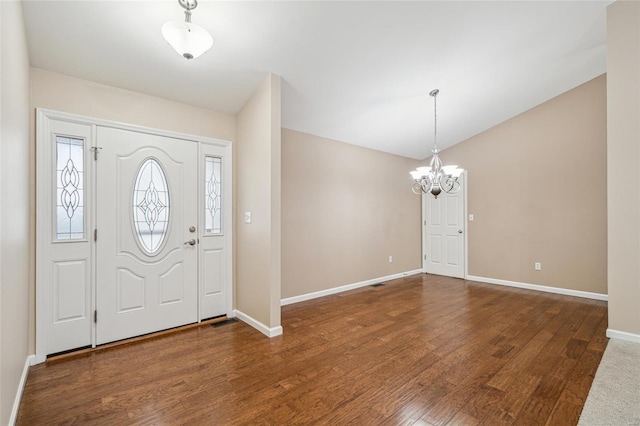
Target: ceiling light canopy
187, 38
436, 178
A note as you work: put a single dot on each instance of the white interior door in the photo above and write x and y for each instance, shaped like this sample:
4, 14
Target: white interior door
444, 233
147, 218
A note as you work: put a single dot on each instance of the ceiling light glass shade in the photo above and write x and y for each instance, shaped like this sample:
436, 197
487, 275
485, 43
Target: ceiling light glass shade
416, 174
188, 39
448, 169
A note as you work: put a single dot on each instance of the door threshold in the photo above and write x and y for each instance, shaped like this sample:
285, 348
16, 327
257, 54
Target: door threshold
86, 351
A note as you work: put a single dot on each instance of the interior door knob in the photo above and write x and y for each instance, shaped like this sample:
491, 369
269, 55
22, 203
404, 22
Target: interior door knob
459, 231
191, 242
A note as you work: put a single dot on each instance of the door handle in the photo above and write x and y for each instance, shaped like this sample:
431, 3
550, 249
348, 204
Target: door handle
191, 242
459, 231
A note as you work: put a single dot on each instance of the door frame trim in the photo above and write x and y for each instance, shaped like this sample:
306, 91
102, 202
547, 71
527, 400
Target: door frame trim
44, 224
423, 207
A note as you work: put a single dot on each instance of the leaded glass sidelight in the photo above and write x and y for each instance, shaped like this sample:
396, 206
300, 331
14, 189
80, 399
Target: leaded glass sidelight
213, 195
69, 188
151, 206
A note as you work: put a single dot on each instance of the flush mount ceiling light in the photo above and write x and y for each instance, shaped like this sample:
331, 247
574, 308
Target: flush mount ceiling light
188, 39
436, 178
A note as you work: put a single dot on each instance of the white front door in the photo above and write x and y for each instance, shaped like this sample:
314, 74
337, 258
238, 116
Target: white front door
444, 238
159, 204
147, 242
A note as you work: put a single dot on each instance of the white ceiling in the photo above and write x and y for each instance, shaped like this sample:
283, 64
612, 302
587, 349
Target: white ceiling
358, 72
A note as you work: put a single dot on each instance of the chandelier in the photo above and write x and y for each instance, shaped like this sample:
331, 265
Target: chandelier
188, 39
436, 178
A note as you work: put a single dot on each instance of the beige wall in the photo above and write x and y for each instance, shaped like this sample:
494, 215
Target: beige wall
258, 190
345, 209
537, 189
623, 74
15, 177
69, 94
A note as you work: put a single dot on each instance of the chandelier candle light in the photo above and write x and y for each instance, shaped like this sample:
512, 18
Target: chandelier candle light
436, 178
188, 39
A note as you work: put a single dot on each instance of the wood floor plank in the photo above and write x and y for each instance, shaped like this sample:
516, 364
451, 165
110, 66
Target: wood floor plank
446, 408
421, 350
569, 404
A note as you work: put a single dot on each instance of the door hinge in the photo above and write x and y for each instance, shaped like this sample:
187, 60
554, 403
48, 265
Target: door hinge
95, 152
425, 257
95, 316
95, 235
424, 222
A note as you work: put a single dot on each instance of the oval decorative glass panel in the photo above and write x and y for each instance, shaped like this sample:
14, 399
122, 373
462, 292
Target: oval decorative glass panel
151, 206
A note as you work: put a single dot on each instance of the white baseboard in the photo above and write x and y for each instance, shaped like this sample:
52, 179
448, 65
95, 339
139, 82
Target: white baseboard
267, 331
31, 360
565, 291
327, 292
623, 335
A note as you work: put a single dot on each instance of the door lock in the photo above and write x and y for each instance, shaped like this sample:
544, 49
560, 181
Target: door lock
191, 242
192, 229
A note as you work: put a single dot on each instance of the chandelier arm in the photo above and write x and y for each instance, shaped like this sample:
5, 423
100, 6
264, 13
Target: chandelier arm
451, 185
417, 188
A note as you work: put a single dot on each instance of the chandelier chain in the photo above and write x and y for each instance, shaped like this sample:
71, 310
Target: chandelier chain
434, 95
435, 121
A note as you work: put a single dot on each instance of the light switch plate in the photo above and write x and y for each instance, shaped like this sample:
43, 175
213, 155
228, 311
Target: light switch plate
470, 218
247, 217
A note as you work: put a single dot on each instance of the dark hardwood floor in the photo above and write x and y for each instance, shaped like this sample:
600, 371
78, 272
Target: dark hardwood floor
422, 350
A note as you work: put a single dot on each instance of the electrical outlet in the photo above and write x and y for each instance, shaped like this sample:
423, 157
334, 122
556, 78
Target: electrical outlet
390, 259
538, 266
